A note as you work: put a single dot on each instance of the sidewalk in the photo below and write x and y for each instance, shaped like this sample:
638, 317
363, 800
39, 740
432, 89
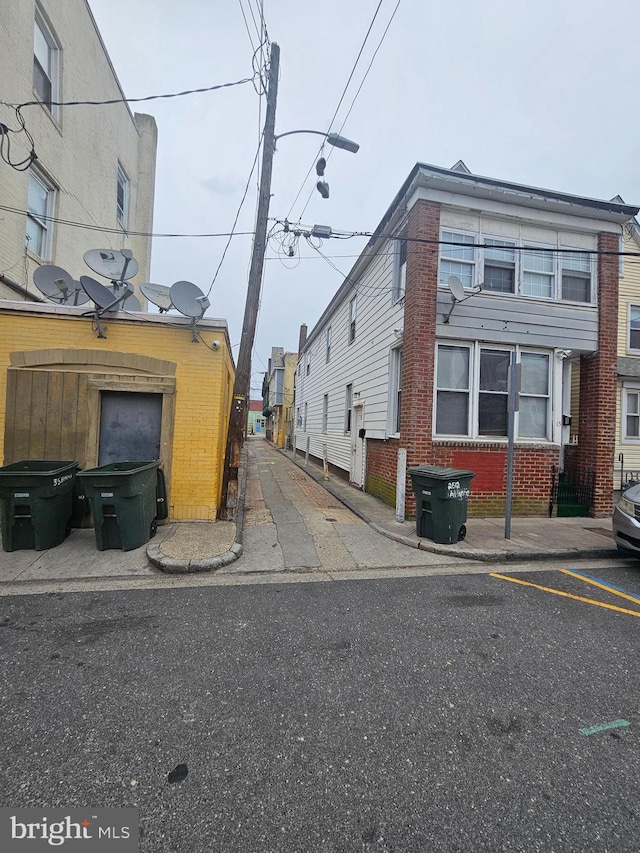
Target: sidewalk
290, 518
531, 538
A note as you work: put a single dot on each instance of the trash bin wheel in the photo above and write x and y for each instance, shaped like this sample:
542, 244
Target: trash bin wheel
153, 529
462, 533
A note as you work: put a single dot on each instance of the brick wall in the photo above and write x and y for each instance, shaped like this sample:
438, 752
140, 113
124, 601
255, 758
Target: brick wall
598, 378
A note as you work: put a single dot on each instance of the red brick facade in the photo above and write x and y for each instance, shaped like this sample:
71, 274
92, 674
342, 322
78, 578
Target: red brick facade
532, 463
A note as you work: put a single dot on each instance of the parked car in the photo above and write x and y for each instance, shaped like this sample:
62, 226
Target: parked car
626, 521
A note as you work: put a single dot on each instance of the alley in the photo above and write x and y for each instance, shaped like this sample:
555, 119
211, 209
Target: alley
293, 523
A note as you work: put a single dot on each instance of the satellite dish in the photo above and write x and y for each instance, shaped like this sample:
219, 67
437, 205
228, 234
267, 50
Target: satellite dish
158, 294
456, 287
100, 295
111, 263
58, 285
131, 303
188, 299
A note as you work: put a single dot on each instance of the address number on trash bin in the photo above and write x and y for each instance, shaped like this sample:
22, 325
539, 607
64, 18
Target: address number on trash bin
455, 491
106, 494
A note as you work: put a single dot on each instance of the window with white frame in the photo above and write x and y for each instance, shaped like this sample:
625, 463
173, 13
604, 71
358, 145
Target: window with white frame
399, 268
308, 370
395, 390
348, 407
634, 327
325, 412
328, 345
631, 414
40, 201
45, 63
122, 197
453, 390
352, 320
499, 266
576, 277
306, 412
458, 260
538, 271
472, 392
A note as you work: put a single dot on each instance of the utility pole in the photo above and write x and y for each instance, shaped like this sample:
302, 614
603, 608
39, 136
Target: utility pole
241, 388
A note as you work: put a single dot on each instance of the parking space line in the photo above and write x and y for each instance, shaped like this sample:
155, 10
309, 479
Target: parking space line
566, 594
614, 590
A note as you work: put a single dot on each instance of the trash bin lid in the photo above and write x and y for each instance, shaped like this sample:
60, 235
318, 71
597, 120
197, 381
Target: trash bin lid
436, 472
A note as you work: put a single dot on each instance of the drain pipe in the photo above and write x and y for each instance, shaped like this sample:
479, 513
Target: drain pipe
19, 288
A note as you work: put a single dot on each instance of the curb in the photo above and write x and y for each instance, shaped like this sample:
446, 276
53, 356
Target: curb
484, 555
174, 566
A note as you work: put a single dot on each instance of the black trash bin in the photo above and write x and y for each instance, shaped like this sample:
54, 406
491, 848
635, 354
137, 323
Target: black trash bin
124, 503
37, 503
441, 502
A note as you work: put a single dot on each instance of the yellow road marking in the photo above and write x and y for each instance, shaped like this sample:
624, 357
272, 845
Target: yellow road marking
602, 586
566, 594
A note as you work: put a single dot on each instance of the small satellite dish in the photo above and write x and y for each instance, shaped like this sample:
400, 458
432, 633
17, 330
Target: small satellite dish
188, 299
456, 287
58, 285
100, 295
111, 263
158, 294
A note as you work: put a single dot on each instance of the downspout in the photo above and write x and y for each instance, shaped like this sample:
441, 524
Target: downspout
19, 288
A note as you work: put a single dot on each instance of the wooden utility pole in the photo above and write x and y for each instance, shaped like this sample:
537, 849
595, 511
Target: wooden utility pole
241, 388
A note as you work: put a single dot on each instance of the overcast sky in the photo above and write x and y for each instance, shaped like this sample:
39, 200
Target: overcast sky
541, 93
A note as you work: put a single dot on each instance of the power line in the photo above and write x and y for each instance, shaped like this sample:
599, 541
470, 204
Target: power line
106, 230
127, 100
344, 92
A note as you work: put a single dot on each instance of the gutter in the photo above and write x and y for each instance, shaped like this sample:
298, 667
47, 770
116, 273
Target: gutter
19, 288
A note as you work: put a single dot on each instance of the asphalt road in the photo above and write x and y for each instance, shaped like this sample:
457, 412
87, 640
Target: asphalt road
417, 714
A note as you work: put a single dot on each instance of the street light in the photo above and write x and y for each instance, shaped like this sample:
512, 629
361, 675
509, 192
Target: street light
332, 138
241, 389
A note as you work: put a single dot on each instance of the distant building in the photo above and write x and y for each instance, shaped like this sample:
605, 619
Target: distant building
95, 164
256, 421
278, 392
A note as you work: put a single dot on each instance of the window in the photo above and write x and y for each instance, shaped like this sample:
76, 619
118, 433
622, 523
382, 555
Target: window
472, 392
395, 390
40, 199
45, 63
348, 408
493, 392
328, 351
122, 197
533, 417
458, 260
399, 269
576, 277
537, 275
325, 412
499, 266
306, 411
352, 320
308, 363
634, 327
631, 414
452, 395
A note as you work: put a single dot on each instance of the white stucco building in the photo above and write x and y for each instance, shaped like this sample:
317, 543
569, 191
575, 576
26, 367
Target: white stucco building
95, 163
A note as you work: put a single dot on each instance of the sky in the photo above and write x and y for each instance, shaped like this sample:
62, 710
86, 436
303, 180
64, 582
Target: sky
540, 93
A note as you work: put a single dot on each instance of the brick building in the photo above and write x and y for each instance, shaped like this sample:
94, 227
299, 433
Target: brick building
396, 362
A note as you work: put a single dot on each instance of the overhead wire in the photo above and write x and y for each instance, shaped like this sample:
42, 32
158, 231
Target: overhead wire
344, 92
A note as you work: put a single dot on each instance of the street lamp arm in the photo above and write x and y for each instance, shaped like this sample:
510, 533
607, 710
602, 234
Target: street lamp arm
332, 138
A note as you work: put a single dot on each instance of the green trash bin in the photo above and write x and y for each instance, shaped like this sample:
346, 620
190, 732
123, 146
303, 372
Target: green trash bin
124, 503
441, 502
37, 503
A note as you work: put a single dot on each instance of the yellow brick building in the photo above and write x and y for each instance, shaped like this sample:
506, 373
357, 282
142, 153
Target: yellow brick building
55, 372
